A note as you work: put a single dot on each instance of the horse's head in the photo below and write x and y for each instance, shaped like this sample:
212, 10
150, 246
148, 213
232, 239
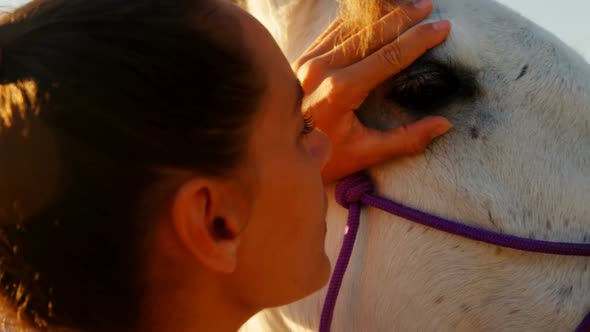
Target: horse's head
517, 161
518, 158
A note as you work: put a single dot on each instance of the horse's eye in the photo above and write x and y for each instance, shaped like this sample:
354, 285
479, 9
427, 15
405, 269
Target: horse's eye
425, 86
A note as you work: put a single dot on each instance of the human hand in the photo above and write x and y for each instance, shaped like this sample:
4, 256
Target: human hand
336, 79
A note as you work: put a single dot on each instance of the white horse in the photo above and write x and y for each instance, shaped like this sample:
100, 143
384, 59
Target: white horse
517, 161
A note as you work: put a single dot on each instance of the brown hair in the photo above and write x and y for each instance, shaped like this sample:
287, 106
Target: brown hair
97, 97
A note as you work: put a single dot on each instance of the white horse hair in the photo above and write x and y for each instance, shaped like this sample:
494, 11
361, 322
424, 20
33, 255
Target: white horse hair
517, 161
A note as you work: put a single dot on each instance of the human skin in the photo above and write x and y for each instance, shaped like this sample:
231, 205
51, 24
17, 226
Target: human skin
225, 248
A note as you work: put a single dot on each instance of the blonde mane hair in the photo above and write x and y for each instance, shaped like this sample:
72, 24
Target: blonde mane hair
358, 14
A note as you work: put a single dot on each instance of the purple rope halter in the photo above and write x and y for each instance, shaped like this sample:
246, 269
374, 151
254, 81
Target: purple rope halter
358, 189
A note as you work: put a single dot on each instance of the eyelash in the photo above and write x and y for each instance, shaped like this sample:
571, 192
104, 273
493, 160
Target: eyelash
308, 125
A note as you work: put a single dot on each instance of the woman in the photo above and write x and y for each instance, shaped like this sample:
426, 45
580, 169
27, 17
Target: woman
159, 167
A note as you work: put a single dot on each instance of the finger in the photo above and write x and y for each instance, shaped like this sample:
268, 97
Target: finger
322, 44
384, 31
379, 147
403, 141
376, 147
394, 57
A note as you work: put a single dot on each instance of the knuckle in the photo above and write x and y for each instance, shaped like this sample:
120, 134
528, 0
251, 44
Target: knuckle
311, 68
392, 54
336, 85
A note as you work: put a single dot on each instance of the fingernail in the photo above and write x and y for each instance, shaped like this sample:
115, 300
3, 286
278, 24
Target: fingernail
441, 25
443, 128
421, 4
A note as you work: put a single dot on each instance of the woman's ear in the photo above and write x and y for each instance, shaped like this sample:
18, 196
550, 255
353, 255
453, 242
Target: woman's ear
208, 216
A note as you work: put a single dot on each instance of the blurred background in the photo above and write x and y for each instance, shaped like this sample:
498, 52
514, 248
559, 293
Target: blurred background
568, 19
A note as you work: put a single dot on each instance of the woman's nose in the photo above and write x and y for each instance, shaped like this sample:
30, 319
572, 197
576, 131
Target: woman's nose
321, 147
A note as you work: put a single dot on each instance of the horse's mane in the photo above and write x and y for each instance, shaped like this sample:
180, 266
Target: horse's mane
357, 14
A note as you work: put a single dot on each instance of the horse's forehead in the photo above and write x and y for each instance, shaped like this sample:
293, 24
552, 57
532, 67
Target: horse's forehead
486, 34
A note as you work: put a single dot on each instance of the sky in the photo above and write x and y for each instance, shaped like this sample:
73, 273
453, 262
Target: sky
566, 18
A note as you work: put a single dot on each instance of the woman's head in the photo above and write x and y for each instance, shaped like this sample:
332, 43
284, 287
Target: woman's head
135, 133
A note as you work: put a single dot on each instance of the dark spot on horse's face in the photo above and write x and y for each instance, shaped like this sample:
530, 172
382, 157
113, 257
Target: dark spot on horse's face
491, 219
523, 72
564, 292
515, 311
439, 299
465, 307
474, 132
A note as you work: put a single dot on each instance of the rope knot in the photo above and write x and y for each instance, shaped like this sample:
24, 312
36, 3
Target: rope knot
351, 189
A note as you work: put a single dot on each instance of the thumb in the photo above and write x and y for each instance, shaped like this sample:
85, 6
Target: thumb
376, 147
413, 138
